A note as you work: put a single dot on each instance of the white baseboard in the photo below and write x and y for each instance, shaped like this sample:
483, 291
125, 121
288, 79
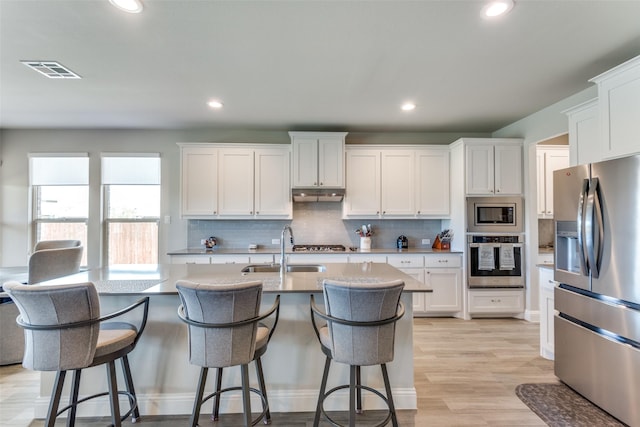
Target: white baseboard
279, 401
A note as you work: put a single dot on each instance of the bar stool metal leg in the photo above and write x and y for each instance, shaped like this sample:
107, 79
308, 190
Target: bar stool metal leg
387, 386
135, 415
55, 399
216, 399
358, 391
73, 398
352, 396
198, 400
323, 386
246, 399
263, 389
113, 394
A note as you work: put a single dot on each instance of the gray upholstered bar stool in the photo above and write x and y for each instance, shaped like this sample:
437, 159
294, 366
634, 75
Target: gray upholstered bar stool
226, 329
50, 262
64, 332
51, 259
359, 331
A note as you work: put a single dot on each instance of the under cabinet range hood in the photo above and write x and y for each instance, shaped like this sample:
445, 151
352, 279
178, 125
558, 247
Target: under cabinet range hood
317, 194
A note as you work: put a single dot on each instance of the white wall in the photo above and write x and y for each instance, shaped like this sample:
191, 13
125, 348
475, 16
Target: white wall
544, 124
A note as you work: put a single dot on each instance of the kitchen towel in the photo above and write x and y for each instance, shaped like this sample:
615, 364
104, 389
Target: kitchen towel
486, 260
507, 260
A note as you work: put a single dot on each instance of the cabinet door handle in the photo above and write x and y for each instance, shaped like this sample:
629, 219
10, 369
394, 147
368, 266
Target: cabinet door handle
418, 212
321, 183
250, 212
215, 212
315, 183
377, 212
257, 213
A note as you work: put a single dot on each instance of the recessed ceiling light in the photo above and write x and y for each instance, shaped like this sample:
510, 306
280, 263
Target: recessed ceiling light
408, 106
214, 103
497, 8
131, 6
51, 69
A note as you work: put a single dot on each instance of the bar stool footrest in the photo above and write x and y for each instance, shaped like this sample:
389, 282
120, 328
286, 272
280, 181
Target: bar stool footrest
133, 403
265, 405
361, 387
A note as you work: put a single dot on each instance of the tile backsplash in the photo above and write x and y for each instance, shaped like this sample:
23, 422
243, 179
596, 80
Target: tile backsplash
313, 223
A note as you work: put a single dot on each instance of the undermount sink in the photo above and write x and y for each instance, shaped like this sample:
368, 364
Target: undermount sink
291, 268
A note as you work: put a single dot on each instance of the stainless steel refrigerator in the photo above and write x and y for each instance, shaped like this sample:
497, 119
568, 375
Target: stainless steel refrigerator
597, 263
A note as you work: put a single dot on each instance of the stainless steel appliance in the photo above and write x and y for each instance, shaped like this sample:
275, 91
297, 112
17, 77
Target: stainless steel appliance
495, 261
495, 215
597, 262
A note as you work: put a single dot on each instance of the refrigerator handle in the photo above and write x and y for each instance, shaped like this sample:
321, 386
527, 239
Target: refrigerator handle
581, 227
592, 212
599, 243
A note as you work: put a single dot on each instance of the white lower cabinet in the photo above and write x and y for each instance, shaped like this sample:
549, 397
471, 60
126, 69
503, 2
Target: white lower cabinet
190, 259
547, 311
261, 258
365, 257
442, 273
230, 259
496, 302
446, 284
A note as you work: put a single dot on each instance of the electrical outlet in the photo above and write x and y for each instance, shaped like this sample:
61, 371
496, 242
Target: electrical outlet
426, 241
275, 241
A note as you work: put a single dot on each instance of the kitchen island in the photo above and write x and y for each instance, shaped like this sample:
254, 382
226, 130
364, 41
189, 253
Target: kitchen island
165, 381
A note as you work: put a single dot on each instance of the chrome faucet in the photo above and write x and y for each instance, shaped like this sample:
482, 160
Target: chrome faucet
283, 260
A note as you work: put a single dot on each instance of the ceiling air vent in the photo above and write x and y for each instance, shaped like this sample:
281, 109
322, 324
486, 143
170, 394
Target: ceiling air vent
51, 69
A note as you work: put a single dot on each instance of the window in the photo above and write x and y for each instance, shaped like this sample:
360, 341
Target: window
60, 190
131, 188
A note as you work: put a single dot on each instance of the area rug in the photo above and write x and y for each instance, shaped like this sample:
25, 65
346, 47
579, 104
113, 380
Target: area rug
559, 406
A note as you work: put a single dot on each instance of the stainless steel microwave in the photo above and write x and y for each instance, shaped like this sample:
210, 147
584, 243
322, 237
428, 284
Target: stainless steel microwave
495, 215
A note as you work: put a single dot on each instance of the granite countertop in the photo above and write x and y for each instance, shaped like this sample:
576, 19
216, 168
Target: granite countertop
160, 279
244, 251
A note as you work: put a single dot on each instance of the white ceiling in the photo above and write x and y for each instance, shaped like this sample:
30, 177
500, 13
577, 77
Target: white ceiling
305, 64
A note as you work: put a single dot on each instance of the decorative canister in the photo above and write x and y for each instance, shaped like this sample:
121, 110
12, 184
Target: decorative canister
365, 243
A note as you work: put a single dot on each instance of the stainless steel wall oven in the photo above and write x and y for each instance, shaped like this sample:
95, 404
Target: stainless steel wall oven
495, 261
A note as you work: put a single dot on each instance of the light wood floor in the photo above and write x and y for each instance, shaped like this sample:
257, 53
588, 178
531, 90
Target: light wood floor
465, 375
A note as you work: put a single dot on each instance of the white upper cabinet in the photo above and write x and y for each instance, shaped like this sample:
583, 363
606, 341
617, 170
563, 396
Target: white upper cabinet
619, 109
493, 168
549, 158
397, 182
272, 185
225, 181
363, 189
236, 182
584, 133
199, 189
318, 159
432, 183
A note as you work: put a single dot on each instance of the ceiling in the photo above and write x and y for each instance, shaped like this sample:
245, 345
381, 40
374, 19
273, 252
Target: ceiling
305, 64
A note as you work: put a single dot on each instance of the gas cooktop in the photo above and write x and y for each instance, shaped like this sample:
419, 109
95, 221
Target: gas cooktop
318, 248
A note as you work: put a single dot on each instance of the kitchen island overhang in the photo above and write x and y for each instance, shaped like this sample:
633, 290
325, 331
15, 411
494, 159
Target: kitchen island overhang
165, 381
